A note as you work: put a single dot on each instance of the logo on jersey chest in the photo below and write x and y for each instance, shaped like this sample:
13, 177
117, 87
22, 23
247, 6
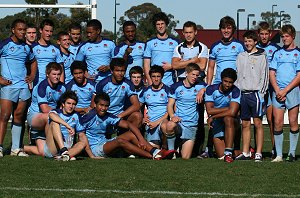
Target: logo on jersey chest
140, 48
90, 48
233, 48
105, 45
12, 49
53, 51
148, 96
270, 51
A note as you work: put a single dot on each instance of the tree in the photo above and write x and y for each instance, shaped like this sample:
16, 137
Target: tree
141, 15
274, 20
38, 13
80, 15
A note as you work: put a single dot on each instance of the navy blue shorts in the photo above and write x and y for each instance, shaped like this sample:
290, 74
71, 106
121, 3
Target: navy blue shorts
252, 105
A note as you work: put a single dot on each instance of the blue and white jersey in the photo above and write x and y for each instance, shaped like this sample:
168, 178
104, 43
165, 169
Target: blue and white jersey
96, 126
68, 59
95, 55
74, 49
135, 58
225, 56
159, 51
156, 101
269, 49
222, 99
43, 93
185, 102
117, 93
286, 64
84, 92
184, 52
72, 119
44, 54
13, 58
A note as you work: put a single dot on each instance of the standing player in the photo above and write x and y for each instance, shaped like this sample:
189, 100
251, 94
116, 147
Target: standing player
44, 51
189, 51
285, 79
183, 122
119, 88
131, 49
253, 81
83, 87
75, 36
14, 82
222, 104
159, 50
264, 33
63, 41
155, 97
132, 142
97, 52
44, 98
63, 125
223, 53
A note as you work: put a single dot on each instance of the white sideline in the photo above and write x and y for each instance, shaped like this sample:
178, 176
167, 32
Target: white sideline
147, 192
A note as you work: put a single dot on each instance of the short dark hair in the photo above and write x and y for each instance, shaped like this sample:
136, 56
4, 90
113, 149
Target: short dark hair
190, 24
161, 16
226, 21
128, 23
101, 96
156, 69
191, 67
263, 26
78, 65
17, 21
96, 24
250, 34
136, 70
229, 73
46, 22
68, 95
61, 34
31, 25
75, 26
53, 66
117, 62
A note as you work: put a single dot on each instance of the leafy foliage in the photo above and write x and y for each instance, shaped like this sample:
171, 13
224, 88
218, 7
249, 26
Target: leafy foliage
274, 20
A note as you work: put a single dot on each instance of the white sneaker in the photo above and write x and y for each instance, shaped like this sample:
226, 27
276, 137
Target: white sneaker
131, 156
174, 156
1, 152
277, 159
18, 152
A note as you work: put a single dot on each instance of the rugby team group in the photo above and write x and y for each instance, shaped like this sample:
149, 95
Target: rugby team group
99, 99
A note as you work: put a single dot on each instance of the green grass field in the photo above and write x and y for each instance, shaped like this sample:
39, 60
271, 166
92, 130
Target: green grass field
37, 177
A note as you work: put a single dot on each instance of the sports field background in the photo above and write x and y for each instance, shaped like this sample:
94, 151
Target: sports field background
37, 177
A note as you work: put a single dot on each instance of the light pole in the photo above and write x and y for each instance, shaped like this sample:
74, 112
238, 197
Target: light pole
273, 20
237, 21
249, 15
115, 21
280, 17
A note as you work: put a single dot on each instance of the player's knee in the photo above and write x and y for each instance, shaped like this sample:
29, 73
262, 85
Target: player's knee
121, 142
229, 121
185, 156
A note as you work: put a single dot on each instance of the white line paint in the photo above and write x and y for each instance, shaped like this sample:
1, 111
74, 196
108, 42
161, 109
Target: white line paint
217, 194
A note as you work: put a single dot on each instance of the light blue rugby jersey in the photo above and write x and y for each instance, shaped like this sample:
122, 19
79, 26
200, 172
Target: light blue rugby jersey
159, 51
269, 49
72, 119
43, 93
186, 53
185, 102
95, 55
13, 58
222, 99
96, 126
44, 55
286, 64
74, 49
225, 56
117, 93
156, 101
135, 58
85, 92
68, 59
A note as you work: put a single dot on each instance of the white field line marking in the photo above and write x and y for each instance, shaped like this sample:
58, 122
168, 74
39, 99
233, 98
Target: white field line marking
148, 192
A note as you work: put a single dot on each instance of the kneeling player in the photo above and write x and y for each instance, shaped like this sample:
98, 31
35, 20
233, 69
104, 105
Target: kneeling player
222, 105
63, 125
132, 142
183, 98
